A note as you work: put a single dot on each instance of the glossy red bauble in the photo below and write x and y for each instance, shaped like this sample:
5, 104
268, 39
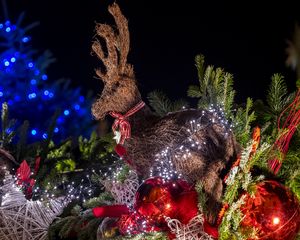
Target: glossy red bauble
158, 198
274, 212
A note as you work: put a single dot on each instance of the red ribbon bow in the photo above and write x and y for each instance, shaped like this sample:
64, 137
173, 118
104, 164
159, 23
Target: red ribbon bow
121, 123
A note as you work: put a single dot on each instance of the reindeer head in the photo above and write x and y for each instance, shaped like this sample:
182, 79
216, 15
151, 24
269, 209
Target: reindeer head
120, 92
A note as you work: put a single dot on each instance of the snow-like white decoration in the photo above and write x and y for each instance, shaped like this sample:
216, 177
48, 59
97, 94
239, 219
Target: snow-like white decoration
194, 230
117, 136
22, 219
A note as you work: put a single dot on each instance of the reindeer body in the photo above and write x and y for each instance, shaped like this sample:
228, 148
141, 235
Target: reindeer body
215, 145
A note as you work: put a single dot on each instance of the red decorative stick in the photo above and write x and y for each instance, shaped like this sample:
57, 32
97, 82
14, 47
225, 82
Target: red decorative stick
286, 132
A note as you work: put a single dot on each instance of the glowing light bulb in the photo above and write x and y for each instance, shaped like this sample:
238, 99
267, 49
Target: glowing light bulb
276, 220
66, 112
44, 77
168, 206
25, 39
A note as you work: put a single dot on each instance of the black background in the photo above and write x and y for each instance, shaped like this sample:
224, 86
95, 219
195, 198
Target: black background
246, 38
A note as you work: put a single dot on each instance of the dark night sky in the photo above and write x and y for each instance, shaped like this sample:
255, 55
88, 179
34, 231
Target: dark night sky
247, 39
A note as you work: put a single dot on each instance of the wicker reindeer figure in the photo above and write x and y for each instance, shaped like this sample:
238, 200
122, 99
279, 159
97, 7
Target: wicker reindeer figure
146, 137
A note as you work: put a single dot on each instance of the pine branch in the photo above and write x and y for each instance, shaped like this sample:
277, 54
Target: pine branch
242, 122
199, 63
194, 91
7, 131
215, 87
162, 105
278, 96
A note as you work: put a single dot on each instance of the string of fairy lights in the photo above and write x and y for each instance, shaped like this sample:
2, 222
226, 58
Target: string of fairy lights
164, 164
84, 189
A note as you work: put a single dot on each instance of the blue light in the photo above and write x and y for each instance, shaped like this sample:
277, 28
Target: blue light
8, 29
25, 39
66, 112
6, 63
36, 72
46, 92
33, 132
13, 59
56, 130
45, 135
60, 120
44, 77
1, 25
77, 107
51, 95
1, 94
8, 130
33, 82
7, 23
30, 65
32, 95
17, 98
81, 98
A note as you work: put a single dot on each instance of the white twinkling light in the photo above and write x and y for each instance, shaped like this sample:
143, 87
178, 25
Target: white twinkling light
164, 162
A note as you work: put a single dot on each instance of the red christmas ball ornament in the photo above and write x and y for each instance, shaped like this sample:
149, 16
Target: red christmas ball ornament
135, 223
274, 212
158, 198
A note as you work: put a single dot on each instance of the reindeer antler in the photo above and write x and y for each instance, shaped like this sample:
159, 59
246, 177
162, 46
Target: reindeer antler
117, 43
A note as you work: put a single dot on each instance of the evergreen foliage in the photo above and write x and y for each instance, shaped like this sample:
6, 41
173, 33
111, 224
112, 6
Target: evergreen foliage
162, 105
215, 87
243, 119
277, 99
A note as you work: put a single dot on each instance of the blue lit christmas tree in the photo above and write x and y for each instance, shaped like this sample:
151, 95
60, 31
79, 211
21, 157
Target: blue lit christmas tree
31, 96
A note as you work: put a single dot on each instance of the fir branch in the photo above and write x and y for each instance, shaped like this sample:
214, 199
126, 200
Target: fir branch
194, 91
242, 122
228, 94
199, 63
202, 198
162, 105
278, 97
215, 87
290, 171
103, 199
7, 132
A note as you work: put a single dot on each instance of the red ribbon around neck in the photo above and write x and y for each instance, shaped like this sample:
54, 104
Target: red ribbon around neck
121, 123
